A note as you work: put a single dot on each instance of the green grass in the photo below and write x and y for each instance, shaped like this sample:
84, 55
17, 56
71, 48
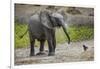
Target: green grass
76, 34
19, 30
81, 33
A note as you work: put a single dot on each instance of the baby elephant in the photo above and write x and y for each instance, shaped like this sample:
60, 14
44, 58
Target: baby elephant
41, 26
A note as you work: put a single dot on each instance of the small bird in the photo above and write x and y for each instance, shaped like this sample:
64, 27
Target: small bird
85, 47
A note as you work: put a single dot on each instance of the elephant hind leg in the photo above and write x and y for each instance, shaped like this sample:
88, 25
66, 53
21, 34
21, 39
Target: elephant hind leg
32, 51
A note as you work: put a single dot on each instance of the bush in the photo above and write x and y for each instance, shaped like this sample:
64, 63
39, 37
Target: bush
76, 33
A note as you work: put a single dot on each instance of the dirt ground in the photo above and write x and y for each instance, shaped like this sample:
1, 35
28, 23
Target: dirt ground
73, 52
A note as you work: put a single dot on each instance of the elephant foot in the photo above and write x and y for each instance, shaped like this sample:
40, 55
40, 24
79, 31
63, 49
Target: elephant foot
32, 54
41, 53
51, 54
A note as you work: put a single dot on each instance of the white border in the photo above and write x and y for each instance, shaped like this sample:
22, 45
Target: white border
76, 3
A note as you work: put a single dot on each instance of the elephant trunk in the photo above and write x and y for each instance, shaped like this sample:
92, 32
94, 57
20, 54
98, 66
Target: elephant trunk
64, 29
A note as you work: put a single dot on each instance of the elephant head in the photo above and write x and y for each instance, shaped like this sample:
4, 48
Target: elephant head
52, 20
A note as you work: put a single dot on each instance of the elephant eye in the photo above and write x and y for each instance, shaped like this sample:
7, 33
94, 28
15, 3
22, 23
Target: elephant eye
58, 21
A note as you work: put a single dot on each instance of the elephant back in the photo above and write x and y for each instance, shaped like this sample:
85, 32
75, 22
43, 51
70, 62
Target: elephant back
35, 26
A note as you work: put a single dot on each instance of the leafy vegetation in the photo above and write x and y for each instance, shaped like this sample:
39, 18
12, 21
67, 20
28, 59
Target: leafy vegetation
76, 33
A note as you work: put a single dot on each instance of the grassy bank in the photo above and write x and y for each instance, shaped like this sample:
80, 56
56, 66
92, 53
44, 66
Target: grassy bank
76, 33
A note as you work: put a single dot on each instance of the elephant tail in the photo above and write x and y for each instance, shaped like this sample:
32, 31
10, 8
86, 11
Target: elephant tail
23, 34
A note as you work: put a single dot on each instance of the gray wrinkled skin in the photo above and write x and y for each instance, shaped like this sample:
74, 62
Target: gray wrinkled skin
42, 26
36, 28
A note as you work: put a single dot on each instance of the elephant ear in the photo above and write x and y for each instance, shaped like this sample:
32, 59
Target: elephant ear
45, 19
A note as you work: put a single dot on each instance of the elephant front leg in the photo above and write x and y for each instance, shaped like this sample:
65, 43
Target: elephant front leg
54, 39
41, 50
51, 48
32, 51
51, 42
